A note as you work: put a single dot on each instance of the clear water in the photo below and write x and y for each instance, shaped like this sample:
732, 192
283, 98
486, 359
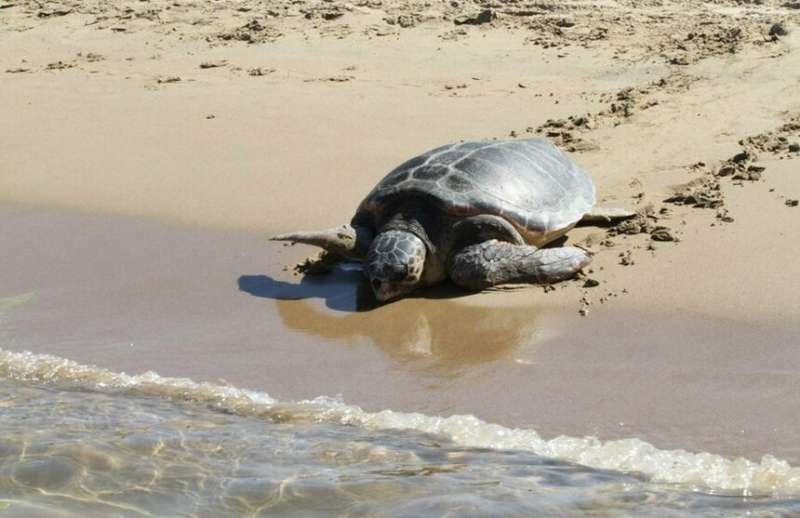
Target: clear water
81, 441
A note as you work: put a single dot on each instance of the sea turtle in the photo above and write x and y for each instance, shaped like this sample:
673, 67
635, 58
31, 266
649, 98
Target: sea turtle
476, 212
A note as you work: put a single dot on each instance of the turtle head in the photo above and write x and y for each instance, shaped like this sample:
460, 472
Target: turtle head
395, 261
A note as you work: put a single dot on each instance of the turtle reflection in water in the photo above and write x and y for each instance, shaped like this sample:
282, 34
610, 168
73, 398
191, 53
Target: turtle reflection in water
475, 212
428, 335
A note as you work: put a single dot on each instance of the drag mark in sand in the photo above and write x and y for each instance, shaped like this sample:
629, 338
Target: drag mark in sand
706, 191
654, 220
569, 133
783, 143
676, 44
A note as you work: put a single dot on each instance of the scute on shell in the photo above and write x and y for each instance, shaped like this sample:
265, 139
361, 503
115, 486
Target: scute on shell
530, 183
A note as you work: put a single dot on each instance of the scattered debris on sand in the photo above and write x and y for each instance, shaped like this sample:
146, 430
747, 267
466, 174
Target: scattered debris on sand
778, 29
585, 303
59, 65
91, 57
168, 80
54, 11
700, 193
251, 32
214, 64
674, 35
591, 283
260, 71
331, 79
479, 18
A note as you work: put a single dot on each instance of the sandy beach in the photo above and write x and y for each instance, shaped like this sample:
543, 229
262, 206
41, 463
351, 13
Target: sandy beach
149, 149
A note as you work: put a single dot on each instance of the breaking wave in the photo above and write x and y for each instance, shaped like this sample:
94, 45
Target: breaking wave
698, 471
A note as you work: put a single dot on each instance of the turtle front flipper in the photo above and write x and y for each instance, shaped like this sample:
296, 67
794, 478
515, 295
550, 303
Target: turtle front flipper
487, 264
346, 240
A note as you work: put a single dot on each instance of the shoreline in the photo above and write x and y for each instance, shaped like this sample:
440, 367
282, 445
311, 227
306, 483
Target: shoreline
136, 296
770, 478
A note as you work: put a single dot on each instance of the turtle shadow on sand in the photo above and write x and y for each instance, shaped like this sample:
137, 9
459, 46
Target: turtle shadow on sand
433, 332
342, 290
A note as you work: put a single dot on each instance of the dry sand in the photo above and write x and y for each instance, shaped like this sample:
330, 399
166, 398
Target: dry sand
188, 132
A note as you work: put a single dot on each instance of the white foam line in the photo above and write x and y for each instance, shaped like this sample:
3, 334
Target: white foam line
27, 366
705, 471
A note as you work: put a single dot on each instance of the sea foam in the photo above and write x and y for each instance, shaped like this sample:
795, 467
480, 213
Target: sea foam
698, 471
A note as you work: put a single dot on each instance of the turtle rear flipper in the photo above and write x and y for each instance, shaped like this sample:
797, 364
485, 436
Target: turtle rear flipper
493, 262
345, 240
605, 215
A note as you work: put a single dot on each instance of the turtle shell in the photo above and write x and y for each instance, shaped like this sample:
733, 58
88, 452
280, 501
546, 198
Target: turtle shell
530, 183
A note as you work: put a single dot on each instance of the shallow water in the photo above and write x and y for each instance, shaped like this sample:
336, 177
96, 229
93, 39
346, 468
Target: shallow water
78, 440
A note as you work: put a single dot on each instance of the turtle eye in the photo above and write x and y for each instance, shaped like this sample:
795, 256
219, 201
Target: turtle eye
376, 284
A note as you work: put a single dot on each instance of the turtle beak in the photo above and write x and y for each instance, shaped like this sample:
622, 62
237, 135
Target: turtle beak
381, 290
385, 292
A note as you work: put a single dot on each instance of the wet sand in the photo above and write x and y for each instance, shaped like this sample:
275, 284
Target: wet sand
137, 206
138, 296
